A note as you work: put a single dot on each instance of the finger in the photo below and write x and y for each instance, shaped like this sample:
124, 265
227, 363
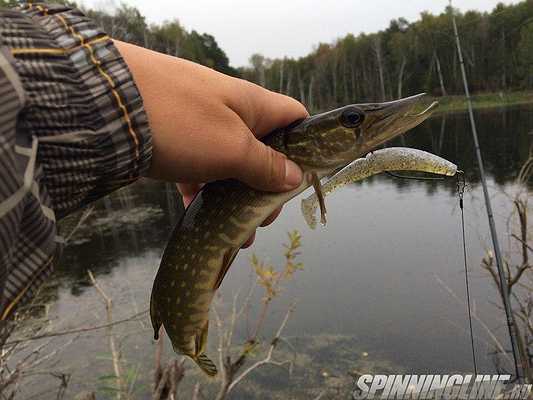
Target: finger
263, 168
249, 242
188, 191
263, 110
272, 217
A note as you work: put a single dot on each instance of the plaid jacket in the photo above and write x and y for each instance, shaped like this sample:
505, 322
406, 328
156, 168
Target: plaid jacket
72, 129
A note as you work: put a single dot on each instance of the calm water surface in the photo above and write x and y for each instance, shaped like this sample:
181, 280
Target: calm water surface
371, 275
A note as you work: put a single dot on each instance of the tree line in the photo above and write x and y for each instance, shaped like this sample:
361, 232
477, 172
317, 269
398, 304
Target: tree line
126, 23
408, 58
405, 58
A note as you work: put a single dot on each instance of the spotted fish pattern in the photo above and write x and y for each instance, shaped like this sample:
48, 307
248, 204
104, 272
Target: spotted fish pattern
225, 213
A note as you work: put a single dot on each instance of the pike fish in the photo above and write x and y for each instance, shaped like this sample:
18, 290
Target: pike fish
225, 213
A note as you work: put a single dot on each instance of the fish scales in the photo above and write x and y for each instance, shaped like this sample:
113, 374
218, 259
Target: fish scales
224, 214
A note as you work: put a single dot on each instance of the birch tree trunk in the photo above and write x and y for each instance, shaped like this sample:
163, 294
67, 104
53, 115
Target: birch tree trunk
379, 59
281, 70
400, 77
289, 83
353, 94
504, 72
344, 81
366, 90
310, 95
334, 66
439, 72
301, 88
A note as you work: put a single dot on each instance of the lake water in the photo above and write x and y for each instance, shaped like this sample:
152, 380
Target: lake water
369, 297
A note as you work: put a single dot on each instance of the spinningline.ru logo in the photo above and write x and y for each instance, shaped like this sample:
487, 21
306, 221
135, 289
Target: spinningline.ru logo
445, 387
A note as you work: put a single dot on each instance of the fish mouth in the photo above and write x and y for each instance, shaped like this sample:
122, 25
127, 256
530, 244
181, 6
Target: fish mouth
384, 121
403, 109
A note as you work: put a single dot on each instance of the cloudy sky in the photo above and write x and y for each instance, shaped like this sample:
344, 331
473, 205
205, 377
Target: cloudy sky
277, 28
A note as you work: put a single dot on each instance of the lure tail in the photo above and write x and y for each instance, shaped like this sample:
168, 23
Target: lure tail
309, 206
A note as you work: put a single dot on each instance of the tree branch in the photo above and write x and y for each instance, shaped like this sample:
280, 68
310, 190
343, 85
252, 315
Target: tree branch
268, 358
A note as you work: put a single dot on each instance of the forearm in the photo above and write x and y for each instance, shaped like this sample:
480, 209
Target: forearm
82, 105
73, 130
179, 97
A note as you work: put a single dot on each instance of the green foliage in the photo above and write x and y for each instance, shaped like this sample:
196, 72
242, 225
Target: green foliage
269, 277
407, 58
525, 53
485, 100
129, 25
203, 49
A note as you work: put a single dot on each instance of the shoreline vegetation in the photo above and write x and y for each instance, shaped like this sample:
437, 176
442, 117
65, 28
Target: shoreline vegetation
480, 101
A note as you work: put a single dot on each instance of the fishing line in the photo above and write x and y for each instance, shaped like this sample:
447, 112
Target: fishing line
461, 184
416, 178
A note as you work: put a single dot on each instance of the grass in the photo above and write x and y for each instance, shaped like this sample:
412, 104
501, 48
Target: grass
484, 100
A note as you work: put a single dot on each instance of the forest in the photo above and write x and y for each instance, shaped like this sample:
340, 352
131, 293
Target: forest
405, 58
408, 58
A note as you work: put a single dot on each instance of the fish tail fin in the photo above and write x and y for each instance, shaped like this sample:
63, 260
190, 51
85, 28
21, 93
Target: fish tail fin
206, 364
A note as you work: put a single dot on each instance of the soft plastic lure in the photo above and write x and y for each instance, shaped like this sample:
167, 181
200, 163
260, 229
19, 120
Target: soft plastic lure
390, 159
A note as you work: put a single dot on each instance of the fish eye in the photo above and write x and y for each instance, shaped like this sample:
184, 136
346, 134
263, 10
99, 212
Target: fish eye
351, 118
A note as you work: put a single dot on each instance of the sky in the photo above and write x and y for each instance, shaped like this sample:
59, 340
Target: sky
278, 28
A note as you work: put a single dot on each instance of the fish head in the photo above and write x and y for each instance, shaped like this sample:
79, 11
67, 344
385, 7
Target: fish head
381, 122
336, 138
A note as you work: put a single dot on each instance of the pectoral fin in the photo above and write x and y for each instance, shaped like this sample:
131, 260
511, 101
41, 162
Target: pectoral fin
320, 195
227, 260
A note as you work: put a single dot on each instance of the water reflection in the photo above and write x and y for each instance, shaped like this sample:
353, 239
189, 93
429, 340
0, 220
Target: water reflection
504, 138
131, 222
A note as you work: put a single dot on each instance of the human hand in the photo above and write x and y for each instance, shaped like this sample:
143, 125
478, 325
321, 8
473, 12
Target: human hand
206, 125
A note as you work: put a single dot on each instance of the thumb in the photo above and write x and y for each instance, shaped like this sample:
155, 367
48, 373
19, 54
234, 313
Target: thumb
269, 170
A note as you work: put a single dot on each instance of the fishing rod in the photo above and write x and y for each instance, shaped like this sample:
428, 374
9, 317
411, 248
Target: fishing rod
511, 325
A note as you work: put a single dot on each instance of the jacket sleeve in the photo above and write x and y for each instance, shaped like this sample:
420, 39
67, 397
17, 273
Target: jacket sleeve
72, 129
